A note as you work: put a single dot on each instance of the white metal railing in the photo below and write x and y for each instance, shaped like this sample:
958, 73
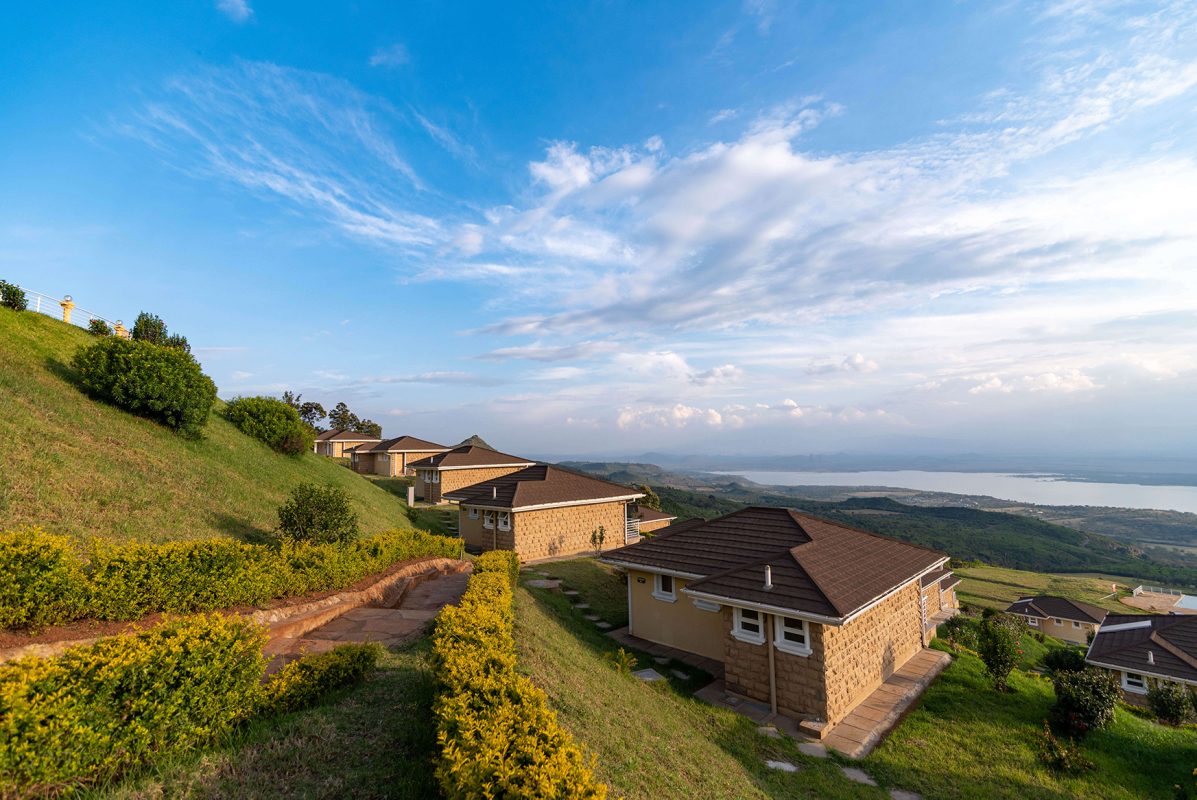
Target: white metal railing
631, 530
52, 307
1138, 590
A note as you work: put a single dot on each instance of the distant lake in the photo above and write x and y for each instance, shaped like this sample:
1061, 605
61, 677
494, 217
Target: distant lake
1041, 489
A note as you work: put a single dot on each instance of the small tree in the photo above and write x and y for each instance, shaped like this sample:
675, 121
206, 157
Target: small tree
999, 650
597, 537
317, 514
650, 499
1170, 701
13, 296
98, 327
369, 427
312, 413
342, 419
150, 328
1084, 700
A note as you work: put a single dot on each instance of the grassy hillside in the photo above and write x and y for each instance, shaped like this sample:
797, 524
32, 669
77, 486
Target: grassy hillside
997, 587
83, 468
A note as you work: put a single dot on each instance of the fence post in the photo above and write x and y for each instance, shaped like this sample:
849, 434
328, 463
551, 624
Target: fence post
67, 304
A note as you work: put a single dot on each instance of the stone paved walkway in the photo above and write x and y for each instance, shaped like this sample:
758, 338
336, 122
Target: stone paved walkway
388, 626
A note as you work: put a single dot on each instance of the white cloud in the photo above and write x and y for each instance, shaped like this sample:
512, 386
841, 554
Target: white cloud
678, 415
240, 375
721, 116
394, 55
236, 10
853, 363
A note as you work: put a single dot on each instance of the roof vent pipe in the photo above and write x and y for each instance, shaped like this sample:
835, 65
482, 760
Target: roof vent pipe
1150, 657
494, 492
768, 577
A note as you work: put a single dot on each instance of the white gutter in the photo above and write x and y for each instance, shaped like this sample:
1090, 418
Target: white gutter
483, 466
564, 504
690, 576
1137, 671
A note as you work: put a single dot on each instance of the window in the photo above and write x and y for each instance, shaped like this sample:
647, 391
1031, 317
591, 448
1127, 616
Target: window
488, 519
791, 635
1134, 682
1033, 622
747, 626
504, 520
663, 588
1057, 621
1076, 624
436, 476
473, 513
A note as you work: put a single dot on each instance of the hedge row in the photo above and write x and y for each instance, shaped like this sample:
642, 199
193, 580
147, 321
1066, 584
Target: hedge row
47, 581
134, 699
497, 735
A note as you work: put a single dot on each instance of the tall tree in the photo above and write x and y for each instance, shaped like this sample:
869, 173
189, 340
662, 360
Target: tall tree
650, 499
151, 328
312, 413
369, 427
342, 419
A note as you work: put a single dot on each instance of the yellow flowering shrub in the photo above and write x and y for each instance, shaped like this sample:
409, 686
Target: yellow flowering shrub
51, 583
301, 683
96, 711
498, 737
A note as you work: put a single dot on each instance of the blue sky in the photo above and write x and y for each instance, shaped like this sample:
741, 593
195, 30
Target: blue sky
613, 227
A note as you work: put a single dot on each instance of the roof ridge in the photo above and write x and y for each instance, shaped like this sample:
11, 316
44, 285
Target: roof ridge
1171, 648
796, 513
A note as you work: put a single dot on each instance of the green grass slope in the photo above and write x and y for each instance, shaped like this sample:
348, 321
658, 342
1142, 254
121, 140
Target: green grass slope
82, 468
997, 587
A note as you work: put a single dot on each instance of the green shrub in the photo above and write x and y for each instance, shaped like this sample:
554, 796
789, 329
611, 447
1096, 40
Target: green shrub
317, 514
151, 329
304, 682
503, 561
960, 630
271, 421
13, 296
1060, 755
162, 383
1063, 659
1170, 701
998, 648
51, 584
98, 327
1084, 700
497, 734
621, 660
42, 580
125, 701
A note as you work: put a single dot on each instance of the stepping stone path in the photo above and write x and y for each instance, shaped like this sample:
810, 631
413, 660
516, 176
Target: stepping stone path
858, 775
544, 583
582, 606
662, 659
649, 675
677, 673
570, 593
770, 731
902, 794
784, 766
812, 749
603, 626
593, 617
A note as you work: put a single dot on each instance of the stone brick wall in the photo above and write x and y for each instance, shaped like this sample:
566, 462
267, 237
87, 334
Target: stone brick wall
1065, 630
551, 532
679, 624
801, 682
453, 479
859, 656
655, 525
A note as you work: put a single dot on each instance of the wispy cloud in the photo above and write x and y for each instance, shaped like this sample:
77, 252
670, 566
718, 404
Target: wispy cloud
236, 10
394, 55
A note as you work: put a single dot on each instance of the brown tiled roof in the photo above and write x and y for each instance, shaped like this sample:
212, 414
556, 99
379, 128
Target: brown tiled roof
1170, 638
320, 437
347, 436
402, 444
540, 485
818, 567
646, 514
469, 456
935, 577
1045, 606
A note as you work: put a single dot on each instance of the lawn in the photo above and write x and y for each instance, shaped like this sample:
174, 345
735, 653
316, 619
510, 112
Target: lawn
82, 468
998, 587
654, 740
375, 740
601, 586
966, 740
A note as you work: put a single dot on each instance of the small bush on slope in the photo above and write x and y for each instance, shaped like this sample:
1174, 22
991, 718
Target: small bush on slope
301, 683
271, 421
1085, 700
13, 296
1170, 701
164, 384
317, 514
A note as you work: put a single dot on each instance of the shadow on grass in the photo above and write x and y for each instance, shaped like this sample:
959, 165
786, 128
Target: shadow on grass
373, 740
242, 529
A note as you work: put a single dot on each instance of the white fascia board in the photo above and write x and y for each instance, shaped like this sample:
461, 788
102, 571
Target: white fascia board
567, 504
521, 464
1137, 671
690, 576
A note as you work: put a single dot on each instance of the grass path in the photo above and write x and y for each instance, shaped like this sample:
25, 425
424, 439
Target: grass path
373, 741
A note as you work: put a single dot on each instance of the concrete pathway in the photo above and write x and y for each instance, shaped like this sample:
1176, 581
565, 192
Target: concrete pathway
388, 626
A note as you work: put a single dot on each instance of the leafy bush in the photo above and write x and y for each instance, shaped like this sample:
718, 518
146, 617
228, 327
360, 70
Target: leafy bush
1170, 701
1060, 756
161, 383
1084, 700
317, 514
150, 328
498, 736
98, 327
48, 582
125, 701
301, 683
13, 296
998, 648
43, 582
271, 421
504, 561
960, 630
1063, 659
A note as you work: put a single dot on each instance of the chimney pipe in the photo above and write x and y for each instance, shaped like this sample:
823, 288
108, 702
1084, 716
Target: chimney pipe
494, 492
1150, 657
768, 577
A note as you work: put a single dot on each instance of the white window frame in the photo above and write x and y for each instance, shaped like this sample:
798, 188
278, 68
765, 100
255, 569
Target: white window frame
436, 476
748, 636
659, 591
1076, 624
504, 520
1033, 622
488, 520
473, 513
1058, 622
1130, 687
780, 628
